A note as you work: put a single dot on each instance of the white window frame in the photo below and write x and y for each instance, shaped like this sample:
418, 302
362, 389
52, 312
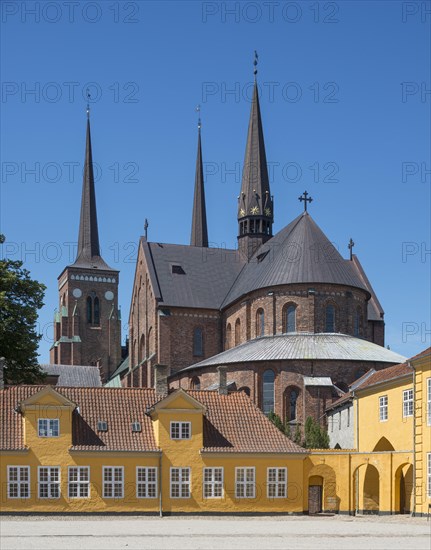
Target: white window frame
80, 482
279, 486
429, 401
408, 407
182, 426
245, 483
180, 483
383, 408
429, 475
50, 483
49, 429
212, 484
146, 484
112, 482
19, 482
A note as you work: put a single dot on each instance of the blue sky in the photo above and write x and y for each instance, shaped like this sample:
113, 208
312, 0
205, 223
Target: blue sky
345, 103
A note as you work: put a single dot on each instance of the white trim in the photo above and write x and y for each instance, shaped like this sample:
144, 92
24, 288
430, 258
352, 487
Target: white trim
49, 483
18, 482
277, 483
212, 483
428, 401
429, 475
408, 403
49, 420
180, 481
112, 482
180, 430
245, 483
146, 483
78, 482
384, 407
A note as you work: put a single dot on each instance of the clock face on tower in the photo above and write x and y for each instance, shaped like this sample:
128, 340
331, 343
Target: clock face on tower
109, 295
77, 293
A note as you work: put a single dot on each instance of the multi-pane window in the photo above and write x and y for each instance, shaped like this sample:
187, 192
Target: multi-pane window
146, 482
291, 319
429, 475
79, 482
268, 391
49, 482
383, 408
244, 483
330, 319
18, 482
180, 430
429, 401
198, 342
180, 482
113, 482
48, 427
407, 403
277, 482
213, 482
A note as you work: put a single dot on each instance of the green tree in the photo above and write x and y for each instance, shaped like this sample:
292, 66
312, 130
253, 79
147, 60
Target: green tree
297, 437
20, 299
315, 437
276, 420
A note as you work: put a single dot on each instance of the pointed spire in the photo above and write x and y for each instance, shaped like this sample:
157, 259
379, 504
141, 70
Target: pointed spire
255, 204
199, 234
88, 240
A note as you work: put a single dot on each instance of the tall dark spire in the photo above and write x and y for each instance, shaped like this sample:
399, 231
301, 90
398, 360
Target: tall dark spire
199, 235
88, 240
255, 204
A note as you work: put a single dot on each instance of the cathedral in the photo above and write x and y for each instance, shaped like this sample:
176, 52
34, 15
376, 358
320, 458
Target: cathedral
284, 317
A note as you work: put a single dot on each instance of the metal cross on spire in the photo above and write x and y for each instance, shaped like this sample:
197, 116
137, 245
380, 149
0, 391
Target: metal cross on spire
256, 58
350, 247
88, 102
198, 110
146, 228
304, 197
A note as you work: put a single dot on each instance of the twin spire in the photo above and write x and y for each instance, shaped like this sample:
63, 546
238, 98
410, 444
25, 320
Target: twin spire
199, 234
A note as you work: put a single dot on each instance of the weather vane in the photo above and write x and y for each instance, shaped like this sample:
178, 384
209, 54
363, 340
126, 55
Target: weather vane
256, 57
88, 102
198, 110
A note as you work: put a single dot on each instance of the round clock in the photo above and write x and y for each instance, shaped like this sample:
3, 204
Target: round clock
77, 293
109, 295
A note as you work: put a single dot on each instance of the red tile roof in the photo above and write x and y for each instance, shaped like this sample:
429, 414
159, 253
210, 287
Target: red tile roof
386, 375
232, 423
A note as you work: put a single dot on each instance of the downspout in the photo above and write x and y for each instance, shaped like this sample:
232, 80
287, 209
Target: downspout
356, 420
413, 513
160, 486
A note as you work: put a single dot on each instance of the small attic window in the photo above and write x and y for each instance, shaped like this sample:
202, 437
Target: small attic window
178, 270
136, 427
102, 426
262, 256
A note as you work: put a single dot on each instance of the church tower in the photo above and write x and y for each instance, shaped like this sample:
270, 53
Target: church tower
199, 234
87, 325
255, 204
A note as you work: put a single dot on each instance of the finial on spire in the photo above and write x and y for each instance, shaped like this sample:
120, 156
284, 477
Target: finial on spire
198, 110
256, 58
88, 102
350, 247
304, 197
146, 224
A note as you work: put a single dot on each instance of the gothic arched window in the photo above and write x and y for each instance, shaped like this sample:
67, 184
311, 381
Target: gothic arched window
198, 342
357, 323
228, 339
293, 398
237, 332
268, 391
260, 322
96, 315
89, 310
330, 318
195, 383
291, 318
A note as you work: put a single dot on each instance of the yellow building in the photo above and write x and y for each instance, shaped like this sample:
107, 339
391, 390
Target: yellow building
132, 450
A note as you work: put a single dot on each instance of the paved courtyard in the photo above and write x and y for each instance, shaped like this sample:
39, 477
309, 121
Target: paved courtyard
256, 533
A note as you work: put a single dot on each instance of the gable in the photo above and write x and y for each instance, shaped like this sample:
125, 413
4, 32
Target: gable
47, 397
179, 400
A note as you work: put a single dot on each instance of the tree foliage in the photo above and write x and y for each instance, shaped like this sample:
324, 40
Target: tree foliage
20, 299
315, 437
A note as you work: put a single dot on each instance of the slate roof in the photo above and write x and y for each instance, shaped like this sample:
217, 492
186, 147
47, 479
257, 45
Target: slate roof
299, 253
305, 346
74, 375
208, 274
375, 310
226, 425
199, 233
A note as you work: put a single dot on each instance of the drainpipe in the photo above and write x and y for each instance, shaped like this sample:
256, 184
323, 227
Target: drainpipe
160, 486
413, 513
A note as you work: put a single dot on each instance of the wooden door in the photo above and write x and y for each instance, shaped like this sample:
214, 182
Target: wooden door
314, 499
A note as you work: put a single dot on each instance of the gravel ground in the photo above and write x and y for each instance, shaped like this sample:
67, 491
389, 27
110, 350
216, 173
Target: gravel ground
261, 533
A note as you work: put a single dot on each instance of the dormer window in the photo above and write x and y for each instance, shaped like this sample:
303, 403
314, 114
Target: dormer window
180, 430
136, 427
102, 426
48, 427
178, 270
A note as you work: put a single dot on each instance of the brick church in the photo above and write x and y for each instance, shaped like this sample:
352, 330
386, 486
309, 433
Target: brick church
285, 317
